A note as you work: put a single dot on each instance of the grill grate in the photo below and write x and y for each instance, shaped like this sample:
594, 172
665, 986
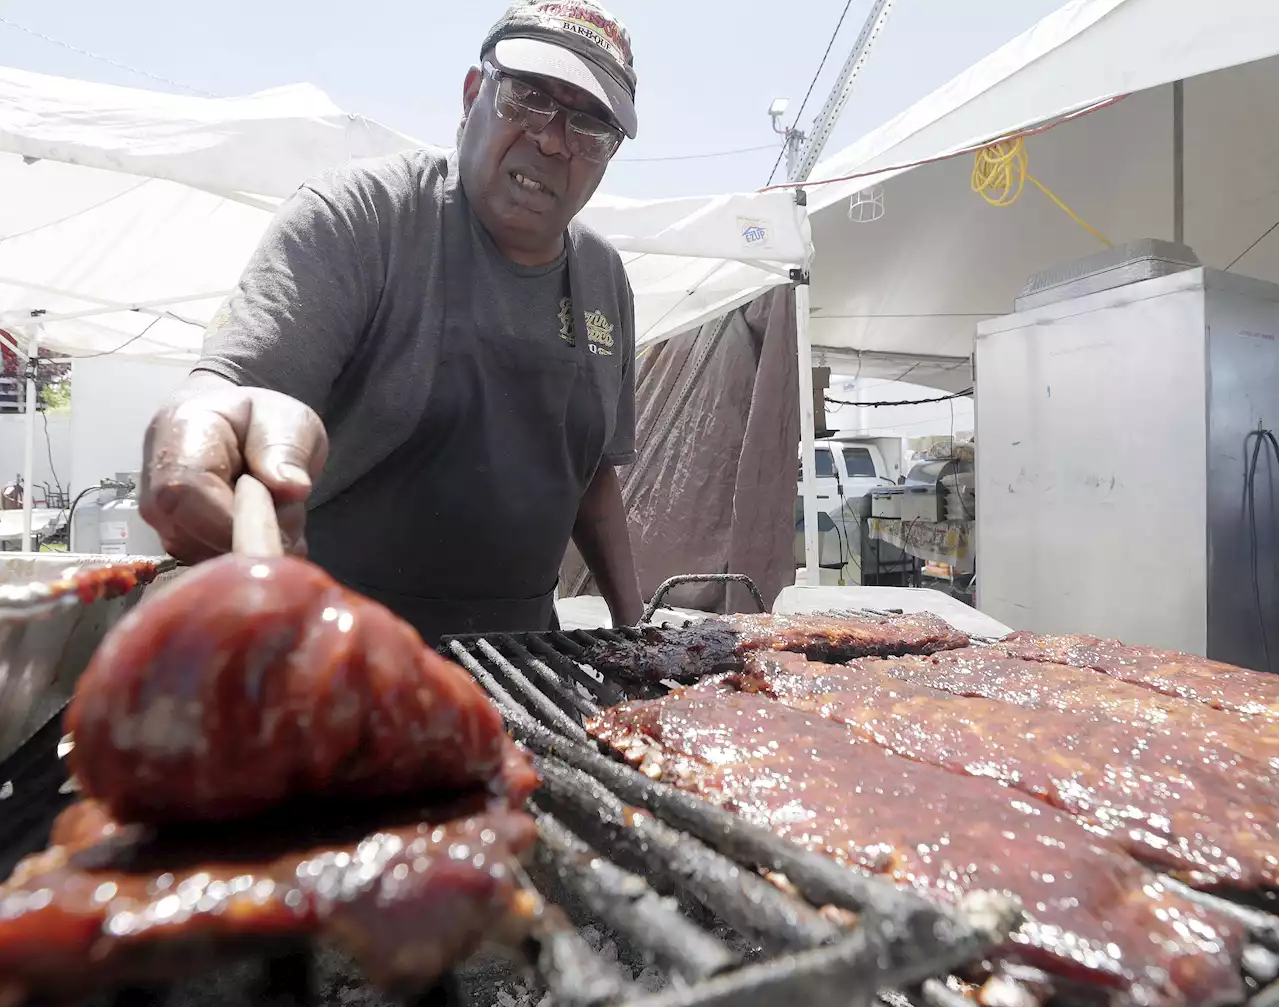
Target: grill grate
545, 689
674, 878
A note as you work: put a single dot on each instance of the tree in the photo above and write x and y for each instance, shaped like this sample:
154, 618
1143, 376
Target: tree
53, 379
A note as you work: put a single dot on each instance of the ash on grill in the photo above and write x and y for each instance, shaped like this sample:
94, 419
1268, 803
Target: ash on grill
545, 688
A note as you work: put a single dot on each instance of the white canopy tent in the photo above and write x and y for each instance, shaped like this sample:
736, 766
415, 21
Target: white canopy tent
941, 258
899, 296
1091, 86
129, 214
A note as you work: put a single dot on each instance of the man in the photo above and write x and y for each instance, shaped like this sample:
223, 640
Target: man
429, 362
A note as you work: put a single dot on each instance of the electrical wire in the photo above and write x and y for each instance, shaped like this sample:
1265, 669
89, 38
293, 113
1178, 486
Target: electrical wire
104, 59
1251, 247
131, 339
1259, 437
48, 443
813, 83
886, 169
1000, 172
910, 402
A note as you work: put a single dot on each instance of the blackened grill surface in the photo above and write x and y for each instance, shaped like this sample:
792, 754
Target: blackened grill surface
717, 645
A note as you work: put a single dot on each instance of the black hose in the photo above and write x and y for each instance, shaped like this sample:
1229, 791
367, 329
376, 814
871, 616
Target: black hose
106, 484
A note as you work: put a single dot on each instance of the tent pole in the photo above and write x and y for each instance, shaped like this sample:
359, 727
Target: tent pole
29, 450
804, 353
1179, 200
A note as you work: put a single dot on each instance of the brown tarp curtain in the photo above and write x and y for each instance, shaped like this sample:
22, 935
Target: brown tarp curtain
713, 487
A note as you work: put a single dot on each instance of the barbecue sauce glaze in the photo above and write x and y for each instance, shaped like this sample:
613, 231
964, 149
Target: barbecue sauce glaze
250, 681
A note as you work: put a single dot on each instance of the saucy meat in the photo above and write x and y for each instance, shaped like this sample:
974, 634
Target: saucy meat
718, 645
985, 673
1207, 814
250, 681
110, 904
1221, 686
1093, 912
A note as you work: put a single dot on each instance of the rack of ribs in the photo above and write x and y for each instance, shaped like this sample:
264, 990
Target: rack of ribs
1250, 694
268, 757
985, 673
109, 904
1093, 913
1206, 814
718, 645
250, 681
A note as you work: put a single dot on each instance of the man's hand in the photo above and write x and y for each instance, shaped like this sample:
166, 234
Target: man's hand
210, 434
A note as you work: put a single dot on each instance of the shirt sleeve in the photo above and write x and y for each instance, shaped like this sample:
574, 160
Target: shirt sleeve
301, 306
621, 450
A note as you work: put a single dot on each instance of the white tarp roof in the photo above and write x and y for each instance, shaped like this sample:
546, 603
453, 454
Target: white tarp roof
915, 282
151, 203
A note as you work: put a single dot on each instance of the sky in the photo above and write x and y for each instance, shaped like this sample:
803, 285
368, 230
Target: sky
708, 69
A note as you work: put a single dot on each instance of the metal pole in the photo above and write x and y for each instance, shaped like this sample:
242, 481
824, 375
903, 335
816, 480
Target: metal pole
29, 451
826, 121
795, 139
1178, 198
804, 355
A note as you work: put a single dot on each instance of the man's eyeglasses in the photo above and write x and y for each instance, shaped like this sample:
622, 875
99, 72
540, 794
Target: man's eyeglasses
532, 109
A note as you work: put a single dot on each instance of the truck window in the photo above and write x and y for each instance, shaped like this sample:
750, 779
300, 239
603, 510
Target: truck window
824, 466
858, 462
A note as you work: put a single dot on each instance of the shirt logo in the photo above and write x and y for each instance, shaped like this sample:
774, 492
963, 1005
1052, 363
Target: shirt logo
220, 319
566, 321
599, 334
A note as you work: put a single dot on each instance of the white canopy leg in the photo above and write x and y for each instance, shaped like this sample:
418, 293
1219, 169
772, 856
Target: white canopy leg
804, 351
29, 450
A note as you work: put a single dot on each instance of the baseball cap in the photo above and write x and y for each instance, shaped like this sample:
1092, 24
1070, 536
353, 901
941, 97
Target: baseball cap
575, 41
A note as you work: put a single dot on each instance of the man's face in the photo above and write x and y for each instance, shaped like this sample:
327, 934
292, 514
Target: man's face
525, 187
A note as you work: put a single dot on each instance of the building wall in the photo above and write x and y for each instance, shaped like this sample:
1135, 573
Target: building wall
112, 401
57, 446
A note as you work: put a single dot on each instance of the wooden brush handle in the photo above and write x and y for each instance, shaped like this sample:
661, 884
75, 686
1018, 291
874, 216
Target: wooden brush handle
254, 529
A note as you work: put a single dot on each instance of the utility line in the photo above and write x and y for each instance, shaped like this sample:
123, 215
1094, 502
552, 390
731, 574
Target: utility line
813, 83
103, 59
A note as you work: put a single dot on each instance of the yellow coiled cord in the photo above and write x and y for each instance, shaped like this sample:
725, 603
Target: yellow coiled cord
1000, 172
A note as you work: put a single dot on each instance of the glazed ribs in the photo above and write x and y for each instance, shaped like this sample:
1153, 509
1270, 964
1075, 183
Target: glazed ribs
108, 904
1206, 815
270, 759
986, 673
718, 645
1246, 693
251, 681
1094, 913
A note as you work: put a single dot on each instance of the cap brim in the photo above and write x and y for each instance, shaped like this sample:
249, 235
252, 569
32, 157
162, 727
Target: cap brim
531, 55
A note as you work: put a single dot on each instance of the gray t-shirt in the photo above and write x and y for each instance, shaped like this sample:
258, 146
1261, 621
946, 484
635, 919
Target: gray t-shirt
341, 307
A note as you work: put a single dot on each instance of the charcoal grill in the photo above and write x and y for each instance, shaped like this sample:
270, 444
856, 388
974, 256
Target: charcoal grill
545, 689
678, 882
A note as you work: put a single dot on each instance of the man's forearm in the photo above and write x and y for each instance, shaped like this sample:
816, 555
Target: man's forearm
600, 533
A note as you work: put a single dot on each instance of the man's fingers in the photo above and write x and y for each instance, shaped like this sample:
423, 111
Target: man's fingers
285, 446
192, 512
195, 450
190, 456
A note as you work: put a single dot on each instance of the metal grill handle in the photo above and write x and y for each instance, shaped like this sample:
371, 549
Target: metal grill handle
702, 578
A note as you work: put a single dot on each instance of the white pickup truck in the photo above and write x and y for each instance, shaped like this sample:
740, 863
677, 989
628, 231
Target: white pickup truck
849, 467
846, 467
